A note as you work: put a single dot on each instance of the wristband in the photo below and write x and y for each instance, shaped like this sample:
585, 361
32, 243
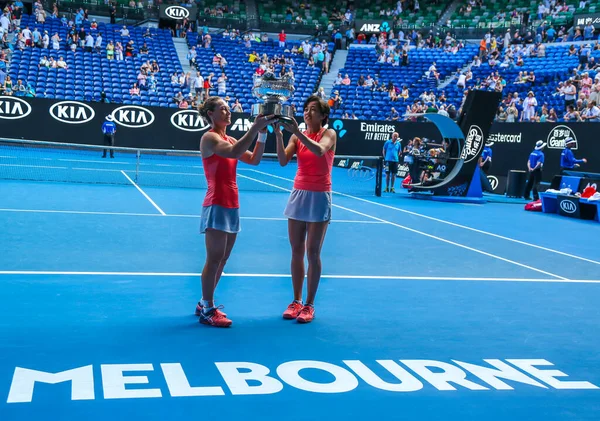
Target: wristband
262, 137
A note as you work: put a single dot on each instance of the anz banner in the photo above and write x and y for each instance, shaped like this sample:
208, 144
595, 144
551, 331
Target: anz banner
178, 13
372, 26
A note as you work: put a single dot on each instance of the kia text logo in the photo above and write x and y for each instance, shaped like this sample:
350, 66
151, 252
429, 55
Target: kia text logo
188, 120
133, 116
72, 112
568, 206
177, 12
558, 135
12, 108
473, 144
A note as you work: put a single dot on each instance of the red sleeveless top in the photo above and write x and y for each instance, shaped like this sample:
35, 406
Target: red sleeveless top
314, 172
221, 178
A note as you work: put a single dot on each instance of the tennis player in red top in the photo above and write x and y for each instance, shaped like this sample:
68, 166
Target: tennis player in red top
220, 220
309, 206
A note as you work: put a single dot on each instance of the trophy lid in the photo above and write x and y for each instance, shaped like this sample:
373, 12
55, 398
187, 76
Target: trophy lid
270, 88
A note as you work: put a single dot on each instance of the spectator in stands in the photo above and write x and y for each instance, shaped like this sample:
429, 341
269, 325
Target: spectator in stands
222, 84
529, 107
61, 64
45, 40
98, 45
346, 81
321, 93
119, 51
56, 41
336, 100
129, 50
591, 113
110, 51
282, 39
89, 43
571, 114
134, 91
237, 107
124, 31
570, 92
208, 85
144, 49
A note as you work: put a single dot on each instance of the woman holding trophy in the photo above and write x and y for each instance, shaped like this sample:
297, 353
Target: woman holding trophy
220, 220
309, 205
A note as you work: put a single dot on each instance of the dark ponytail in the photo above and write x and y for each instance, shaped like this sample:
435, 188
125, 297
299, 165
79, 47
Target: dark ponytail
209, 105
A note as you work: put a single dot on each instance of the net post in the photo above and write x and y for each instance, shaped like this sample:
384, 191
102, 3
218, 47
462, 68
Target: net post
137, 164
379, 177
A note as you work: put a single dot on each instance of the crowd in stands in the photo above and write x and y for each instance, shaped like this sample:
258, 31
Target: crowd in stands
503, 64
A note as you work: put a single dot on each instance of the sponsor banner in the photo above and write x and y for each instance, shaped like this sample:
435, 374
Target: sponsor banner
372, 26
171, 128
568, 206
13, 108
584, 19
513, 142
178, 13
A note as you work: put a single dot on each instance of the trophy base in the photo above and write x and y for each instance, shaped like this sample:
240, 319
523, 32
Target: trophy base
283, 112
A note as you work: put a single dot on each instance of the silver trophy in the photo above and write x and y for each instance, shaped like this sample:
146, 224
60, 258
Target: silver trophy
273, 92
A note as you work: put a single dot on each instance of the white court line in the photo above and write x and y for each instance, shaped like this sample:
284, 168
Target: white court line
251, 218
88, 161
32, 166
144, 193
277, 275
96, 169
143, 172
424, 234
491, 234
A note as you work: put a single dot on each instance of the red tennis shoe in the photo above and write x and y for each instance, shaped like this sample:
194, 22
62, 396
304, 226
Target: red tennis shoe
199, 308
307, 314
293, 310
214, 318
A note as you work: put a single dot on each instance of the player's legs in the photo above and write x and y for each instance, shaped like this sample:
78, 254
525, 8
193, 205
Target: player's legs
297, 236
216, 249
231, 237
315, 238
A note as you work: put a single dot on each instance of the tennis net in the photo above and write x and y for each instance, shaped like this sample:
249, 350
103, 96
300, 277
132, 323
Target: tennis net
79, 163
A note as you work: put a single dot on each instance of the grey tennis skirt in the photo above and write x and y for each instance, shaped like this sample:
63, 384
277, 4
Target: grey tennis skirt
309, 206
221, 219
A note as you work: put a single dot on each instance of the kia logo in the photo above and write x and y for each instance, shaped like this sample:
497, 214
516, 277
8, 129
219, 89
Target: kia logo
188, 120
177, 12
133, 116
493, 181
473, 144
568, 206
12, 108
72, 112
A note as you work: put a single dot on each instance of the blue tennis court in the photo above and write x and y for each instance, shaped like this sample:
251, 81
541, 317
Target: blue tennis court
426, 310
